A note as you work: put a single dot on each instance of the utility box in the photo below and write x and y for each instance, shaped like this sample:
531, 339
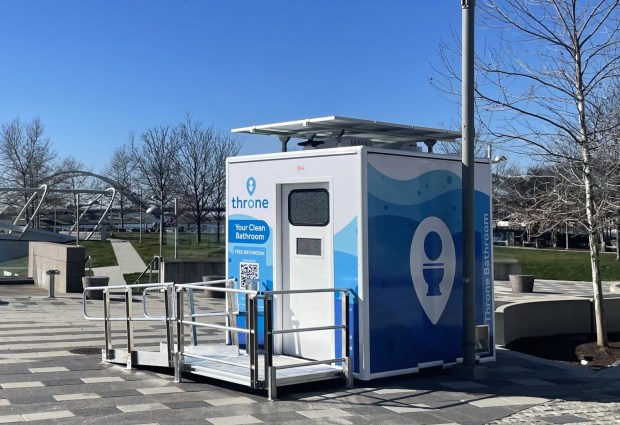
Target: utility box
385, 224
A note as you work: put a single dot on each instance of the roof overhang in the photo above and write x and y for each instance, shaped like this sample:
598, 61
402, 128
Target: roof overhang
376, 132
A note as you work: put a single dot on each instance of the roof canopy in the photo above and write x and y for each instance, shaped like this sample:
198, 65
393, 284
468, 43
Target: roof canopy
377, 132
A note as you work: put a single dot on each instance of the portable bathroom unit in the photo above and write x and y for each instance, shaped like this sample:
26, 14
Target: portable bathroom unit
384, 223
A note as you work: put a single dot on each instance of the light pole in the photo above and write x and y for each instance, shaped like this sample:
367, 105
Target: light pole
77, 219
467, 143
176, 228
160, 210
140, 209
154, 209
161, 222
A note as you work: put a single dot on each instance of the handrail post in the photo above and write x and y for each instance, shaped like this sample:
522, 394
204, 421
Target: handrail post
232, 300
348, 367
255, 340
268, 350
107, 325
178, 354
192, 312
168, 300
250, 343
129, 325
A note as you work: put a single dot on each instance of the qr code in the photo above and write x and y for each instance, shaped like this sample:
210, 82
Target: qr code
248, 273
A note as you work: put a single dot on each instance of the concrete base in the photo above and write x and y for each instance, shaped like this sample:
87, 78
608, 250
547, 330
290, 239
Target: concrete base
521, 283
67, 259
215, 294
188, 271
551, 316
90, 281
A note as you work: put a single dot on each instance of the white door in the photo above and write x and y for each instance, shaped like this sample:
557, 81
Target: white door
306, 231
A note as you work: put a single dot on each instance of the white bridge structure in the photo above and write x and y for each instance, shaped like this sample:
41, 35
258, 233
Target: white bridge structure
26, 232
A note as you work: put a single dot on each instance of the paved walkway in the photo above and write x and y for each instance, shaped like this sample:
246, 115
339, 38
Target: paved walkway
128, 262
44, 378
544, 288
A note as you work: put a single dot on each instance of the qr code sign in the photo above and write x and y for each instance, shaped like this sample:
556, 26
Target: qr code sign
248, 273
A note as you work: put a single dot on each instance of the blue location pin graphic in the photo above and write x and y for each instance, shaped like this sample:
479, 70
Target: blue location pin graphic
250, 185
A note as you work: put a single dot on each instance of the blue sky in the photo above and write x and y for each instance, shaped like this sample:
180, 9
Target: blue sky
94, 71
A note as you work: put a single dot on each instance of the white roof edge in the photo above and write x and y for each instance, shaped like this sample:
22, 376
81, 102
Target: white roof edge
253, 128
377, 131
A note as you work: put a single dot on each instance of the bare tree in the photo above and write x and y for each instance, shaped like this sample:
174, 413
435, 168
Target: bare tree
121, 171
544, 79
155, 157
26, 156
225, 146
196, 174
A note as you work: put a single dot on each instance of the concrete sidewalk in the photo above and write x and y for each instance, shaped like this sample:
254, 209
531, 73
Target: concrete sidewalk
129, 261
51, 371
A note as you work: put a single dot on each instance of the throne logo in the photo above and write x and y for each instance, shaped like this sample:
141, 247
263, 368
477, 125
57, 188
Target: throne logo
250, 185
432, 263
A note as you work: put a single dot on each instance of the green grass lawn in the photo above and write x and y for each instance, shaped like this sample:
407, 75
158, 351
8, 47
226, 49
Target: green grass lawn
101, 253
131, 278
187, 247
559, 264
544, 263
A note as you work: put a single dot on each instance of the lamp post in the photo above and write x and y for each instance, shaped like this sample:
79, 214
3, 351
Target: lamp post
154, 209
161, 223
77, 219
467, 160
140, 209
160, 210
176, 229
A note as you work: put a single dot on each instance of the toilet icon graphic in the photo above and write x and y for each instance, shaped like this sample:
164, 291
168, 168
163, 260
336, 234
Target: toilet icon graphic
433, 271
432, 262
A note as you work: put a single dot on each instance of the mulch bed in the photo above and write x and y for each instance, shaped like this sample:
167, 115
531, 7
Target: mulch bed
571, 349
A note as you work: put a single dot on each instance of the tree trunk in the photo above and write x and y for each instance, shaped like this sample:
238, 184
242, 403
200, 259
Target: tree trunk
121, 202
588, 181
618, 239
219, 221
599, 311
198, 229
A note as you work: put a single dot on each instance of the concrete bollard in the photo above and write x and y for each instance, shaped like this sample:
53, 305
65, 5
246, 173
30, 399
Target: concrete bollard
520, 283
52, 274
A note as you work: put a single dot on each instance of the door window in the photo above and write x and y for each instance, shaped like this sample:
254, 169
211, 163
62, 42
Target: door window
308, 207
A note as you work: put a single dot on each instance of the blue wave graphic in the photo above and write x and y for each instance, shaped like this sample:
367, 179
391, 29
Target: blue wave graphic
346, 239
402, 335
411, 192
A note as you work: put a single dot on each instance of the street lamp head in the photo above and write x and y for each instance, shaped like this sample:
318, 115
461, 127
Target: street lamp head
499, 158
153, 209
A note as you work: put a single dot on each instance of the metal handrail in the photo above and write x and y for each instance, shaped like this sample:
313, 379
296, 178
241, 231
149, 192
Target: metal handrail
128, 318
174, 314
251, 331
149, 268
271, 369
152, 287
201, 285
118, 289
